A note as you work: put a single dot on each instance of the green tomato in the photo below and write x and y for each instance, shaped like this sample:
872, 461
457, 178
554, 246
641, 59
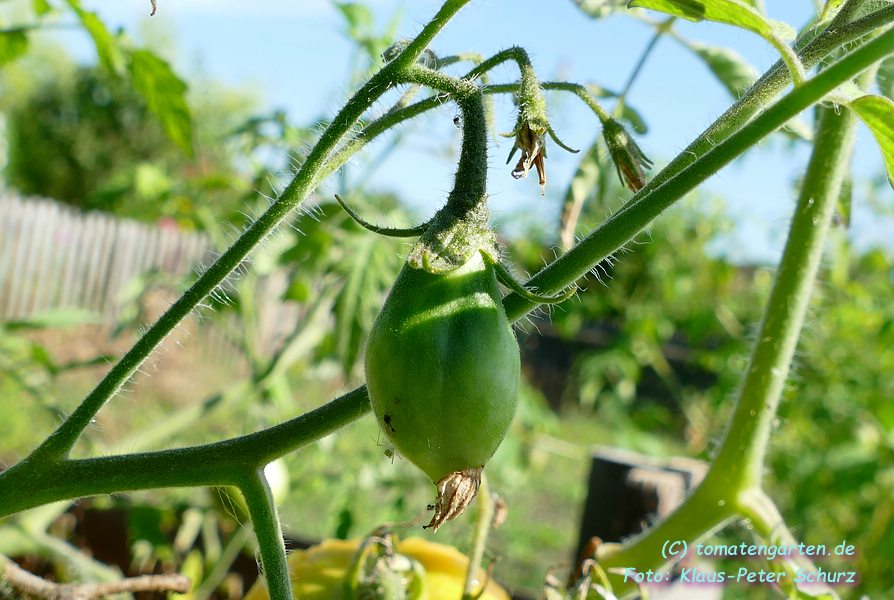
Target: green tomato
442, 368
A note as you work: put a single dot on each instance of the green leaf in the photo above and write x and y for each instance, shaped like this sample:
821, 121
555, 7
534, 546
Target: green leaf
878, 114
885, 77
13, 44
165, 96
107, 48
41, 7
731, 12
599, 9
359, 17
830, 9
52, 319
731, 69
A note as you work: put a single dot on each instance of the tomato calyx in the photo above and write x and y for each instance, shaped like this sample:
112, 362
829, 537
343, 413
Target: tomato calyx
452, 237
455, 492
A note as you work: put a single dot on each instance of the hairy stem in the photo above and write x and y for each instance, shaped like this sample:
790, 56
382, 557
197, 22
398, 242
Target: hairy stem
60, 442
837, 34
265, 522
774, 348
734, 480
221, 463
625, 224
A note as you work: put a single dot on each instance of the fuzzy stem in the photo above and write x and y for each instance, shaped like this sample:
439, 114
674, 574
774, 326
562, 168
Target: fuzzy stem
58, 444
265, 523
734, 479
837, 34
470, 183
786, 309
625, 224
485, 504
221, 463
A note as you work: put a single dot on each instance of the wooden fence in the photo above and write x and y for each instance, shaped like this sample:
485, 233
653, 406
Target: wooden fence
54, 257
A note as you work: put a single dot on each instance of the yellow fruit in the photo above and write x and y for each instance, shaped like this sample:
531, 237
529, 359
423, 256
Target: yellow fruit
318, 572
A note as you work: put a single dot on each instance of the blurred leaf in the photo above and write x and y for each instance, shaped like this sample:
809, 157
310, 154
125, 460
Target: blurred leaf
731, 12
359, 18
601, 8
151, 181
110, 54
64, 317
165, 96
636, 120
885, 77
345, 523
41, 7
878, 114
730, 68
41, 356
13, 44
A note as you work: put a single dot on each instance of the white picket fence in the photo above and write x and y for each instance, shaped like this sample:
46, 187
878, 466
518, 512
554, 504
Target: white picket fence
55, 257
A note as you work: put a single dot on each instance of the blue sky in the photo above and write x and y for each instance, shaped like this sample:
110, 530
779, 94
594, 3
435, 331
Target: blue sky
295, 56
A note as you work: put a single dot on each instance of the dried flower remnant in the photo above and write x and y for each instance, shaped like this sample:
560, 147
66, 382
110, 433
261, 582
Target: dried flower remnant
533, 152
630, 162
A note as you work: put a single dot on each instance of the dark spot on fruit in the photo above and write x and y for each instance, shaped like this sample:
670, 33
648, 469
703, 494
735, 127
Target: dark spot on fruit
387, 419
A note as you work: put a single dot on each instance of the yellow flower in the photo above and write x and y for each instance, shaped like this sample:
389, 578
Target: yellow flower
318, 573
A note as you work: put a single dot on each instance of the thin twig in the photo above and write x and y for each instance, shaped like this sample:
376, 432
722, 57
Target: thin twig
32, 585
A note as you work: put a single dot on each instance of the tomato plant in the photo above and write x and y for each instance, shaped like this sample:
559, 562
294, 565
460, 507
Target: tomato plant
442, 364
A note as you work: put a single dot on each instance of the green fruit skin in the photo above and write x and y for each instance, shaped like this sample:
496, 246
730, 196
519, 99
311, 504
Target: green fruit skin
442, 367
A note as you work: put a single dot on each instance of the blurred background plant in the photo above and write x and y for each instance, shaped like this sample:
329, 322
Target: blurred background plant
646, 359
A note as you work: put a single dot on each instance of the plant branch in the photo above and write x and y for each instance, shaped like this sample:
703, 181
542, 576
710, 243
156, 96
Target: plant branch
265, 522
733, 483
653, 199
220, 463
60, 442
774, 348
660, 30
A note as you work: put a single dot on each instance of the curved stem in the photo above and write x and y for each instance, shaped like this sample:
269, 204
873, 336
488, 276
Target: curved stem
485, 502
265, 522
759, 95
625, 224
774, 348
220, 463
732, 485
386, 231
59, 443
515, 53
660, 30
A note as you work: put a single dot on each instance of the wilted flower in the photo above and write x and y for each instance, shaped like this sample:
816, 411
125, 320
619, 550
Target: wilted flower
533, 152
629, 160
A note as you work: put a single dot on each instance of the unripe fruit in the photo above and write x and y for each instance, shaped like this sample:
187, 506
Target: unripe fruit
442, 370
